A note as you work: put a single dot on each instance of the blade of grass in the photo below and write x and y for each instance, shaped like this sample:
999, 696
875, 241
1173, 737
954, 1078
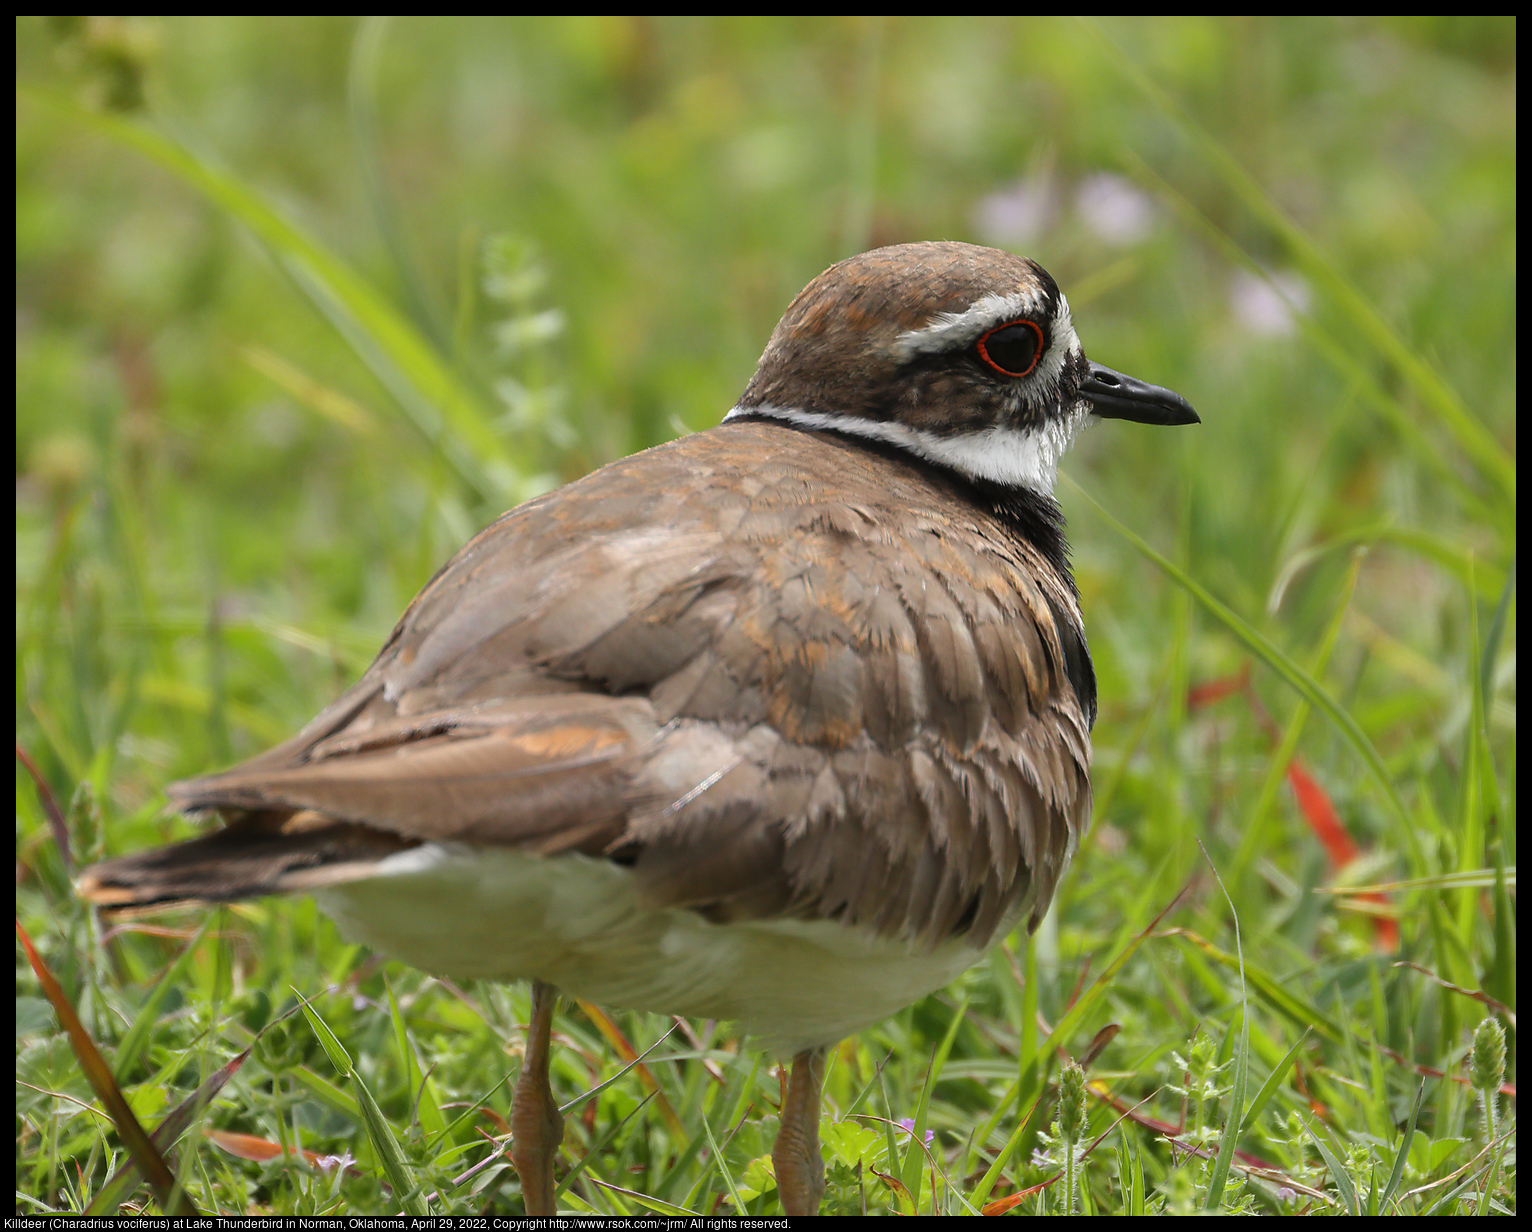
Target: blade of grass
1265, 650
1495, 463
379, 1132
448, 413
150, 1160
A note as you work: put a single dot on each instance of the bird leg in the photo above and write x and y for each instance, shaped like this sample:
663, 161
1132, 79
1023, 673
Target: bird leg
800, 1168
536, 1126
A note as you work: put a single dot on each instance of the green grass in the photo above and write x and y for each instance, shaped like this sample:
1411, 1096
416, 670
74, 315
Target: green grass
301, 304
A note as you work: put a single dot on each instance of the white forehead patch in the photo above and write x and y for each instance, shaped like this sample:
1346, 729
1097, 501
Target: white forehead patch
952, 331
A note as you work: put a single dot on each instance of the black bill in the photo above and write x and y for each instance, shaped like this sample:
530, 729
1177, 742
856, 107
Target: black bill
1114, 395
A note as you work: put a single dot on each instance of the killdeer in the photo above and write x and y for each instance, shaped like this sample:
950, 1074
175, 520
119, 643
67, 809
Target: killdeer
783, 722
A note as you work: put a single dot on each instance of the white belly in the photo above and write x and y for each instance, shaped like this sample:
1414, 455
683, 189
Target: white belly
578, 923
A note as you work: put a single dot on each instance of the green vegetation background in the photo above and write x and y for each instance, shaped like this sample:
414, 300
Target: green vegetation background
495, 253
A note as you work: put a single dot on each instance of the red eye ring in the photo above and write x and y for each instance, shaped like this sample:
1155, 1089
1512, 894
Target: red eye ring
1010, 352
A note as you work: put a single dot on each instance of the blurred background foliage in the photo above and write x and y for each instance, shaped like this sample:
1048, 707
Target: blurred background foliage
580, 231
666, 186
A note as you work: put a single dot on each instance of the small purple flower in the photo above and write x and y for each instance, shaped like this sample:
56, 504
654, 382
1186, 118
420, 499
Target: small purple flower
1269, 306
1019, 213
908, 1125
1114, 209
328, 1163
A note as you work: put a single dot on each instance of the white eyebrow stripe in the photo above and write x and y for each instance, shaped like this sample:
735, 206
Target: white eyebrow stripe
1006, 456
952, 331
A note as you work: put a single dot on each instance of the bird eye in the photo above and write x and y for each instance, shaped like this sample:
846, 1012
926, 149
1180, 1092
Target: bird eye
1012, 349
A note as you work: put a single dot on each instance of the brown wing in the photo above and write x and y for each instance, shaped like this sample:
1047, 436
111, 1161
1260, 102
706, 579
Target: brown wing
763, 702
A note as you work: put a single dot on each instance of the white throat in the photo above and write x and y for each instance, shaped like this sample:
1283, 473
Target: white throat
1011, 457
